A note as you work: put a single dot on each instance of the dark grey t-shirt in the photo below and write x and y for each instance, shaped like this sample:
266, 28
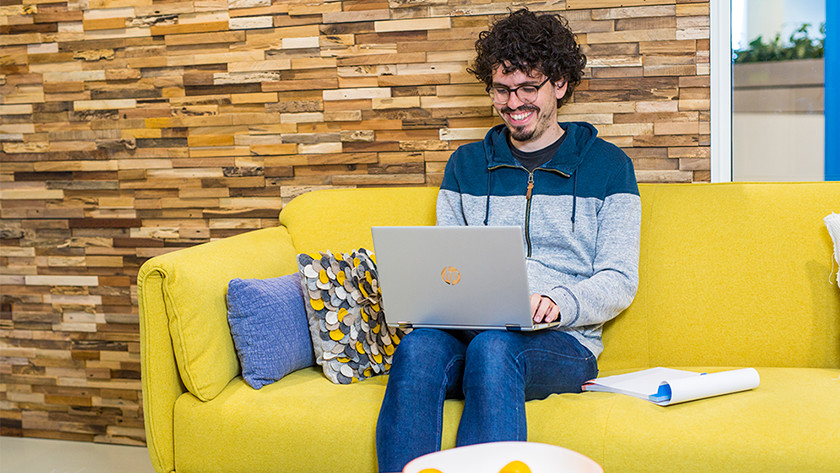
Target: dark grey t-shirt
534, 159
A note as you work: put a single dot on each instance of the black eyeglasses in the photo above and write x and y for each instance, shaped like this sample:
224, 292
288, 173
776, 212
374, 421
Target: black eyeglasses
526, 93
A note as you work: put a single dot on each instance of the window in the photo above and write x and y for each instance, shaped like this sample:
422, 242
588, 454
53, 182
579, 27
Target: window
771, 106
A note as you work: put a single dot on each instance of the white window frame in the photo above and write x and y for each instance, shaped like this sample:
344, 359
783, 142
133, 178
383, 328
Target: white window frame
721, 89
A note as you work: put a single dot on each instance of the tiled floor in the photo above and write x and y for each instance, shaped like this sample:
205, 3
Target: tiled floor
25, 455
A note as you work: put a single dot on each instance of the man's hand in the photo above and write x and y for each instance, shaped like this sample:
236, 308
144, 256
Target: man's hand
543, 309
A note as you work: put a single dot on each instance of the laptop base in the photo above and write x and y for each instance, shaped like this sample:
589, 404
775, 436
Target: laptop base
508, 327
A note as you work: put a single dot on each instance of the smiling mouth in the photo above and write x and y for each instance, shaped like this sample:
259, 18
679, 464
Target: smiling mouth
520, 116
517, 117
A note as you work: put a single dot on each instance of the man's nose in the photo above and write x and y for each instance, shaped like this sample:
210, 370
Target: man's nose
514, 101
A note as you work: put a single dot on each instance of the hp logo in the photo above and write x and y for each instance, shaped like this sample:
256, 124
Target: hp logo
451, 275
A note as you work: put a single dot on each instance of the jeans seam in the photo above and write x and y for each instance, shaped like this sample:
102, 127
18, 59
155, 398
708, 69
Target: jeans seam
442, 398
521, 372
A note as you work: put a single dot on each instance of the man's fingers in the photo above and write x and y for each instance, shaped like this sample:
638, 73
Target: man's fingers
537, 309
553, 313
535, 303
543, 309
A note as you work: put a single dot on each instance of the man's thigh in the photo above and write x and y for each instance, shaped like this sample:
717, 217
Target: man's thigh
549, 361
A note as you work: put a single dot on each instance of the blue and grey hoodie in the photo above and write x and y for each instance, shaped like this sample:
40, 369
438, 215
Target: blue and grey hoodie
580, 212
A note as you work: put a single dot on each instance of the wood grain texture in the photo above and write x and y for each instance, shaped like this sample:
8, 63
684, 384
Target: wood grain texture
130, 128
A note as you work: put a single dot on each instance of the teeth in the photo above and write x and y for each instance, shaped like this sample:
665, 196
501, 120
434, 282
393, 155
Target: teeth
520, 116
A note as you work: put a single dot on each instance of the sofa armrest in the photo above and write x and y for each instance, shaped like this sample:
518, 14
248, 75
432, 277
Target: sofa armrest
205, 271
161, 384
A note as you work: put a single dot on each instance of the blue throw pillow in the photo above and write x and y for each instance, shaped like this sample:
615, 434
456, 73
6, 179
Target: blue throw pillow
269, 327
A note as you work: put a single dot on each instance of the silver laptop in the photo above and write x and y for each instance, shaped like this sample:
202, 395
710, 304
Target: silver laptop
454, 277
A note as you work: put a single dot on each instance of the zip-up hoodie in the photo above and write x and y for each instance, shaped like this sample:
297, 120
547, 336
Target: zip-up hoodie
580, 212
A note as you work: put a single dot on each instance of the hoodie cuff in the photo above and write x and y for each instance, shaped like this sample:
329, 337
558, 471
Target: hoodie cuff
568, 304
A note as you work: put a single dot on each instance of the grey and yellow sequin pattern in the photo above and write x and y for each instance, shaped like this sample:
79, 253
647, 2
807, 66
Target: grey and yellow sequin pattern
351, 340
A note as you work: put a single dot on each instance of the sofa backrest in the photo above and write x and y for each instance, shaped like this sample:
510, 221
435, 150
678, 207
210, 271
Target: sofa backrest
730, 274
339, 220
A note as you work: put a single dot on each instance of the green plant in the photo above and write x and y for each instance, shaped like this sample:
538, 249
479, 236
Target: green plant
798, 46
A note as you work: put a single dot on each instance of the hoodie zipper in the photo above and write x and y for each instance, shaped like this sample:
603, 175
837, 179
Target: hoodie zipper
529, 192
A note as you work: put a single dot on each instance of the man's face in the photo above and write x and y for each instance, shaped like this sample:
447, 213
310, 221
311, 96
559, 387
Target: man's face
527, 121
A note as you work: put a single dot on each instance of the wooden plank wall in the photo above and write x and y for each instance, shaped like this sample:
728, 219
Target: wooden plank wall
130, 128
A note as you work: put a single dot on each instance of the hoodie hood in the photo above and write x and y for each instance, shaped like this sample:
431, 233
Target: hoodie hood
580, 136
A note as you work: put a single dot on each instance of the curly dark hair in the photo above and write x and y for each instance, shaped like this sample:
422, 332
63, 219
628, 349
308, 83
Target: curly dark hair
528, 42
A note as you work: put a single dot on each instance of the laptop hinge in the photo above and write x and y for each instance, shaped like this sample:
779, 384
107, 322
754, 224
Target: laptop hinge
513, 327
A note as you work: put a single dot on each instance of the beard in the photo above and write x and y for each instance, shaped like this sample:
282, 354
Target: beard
521, 133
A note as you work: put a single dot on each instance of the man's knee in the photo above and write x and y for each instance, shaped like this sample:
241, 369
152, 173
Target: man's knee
492, 352
423, 347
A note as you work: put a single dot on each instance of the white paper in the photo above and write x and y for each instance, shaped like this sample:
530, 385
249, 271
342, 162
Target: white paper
684, 385
712, 384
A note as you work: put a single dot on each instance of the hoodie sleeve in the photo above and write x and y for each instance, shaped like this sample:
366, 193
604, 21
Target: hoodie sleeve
615, 278
450, 210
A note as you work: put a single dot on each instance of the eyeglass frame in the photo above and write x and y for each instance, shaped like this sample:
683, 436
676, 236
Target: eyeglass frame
515, 91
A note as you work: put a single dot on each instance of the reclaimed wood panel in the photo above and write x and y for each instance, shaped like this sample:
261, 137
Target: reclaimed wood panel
130, 128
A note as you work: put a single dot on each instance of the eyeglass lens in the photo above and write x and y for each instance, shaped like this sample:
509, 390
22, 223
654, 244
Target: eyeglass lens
526, 93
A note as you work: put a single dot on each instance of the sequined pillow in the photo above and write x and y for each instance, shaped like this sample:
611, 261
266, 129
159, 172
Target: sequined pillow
350, 338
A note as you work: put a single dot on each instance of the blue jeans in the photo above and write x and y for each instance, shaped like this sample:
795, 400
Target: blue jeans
494, 371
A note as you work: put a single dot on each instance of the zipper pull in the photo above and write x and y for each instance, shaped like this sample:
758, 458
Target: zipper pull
530, 186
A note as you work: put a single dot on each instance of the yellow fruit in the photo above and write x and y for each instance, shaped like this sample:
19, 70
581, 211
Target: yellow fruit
429, 470
515, 466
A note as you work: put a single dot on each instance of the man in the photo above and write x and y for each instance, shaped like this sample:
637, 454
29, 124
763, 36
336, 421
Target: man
576, 198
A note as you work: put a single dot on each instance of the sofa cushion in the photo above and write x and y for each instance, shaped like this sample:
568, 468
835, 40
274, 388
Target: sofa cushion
268, 323
787, 424
349, 334
750, 260
302, 423
339, 220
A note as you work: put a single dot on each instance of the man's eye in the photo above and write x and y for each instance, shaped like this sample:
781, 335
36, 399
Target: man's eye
528, 90
501, 90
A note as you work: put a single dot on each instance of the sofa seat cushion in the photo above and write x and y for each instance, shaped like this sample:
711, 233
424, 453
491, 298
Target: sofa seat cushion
305, 423
791, 422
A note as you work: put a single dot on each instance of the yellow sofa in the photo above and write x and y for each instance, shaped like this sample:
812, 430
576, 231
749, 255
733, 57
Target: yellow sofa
732, 275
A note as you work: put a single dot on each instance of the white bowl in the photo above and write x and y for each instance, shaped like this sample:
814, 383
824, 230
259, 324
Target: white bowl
491, 457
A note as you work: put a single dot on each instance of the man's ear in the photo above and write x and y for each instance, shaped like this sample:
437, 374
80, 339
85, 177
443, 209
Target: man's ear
560, 91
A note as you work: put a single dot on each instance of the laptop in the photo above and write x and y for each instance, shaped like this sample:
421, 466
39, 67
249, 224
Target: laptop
458, 277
